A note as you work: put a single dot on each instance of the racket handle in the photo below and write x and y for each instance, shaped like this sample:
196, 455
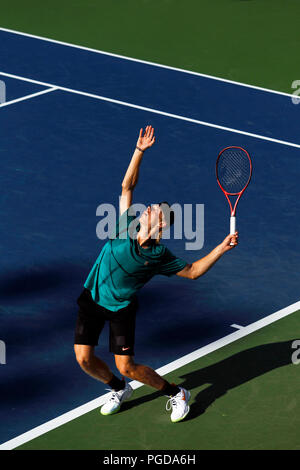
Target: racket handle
232, 226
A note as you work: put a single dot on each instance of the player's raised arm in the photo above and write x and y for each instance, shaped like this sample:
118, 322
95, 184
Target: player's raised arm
145, 140
200, 267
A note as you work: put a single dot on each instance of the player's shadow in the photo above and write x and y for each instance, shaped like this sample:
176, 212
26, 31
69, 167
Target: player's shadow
227, 374
41, 279
22, 284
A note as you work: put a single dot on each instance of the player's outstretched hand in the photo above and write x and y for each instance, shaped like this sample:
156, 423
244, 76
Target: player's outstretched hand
147, 140
226, 244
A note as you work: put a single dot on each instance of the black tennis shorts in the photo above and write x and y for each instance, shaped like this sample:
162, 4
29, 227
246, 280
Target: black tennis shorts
91, 320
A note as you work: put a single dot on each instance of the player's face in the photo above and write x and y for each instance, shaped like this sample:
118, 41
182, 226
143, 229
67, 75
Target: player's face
151, 217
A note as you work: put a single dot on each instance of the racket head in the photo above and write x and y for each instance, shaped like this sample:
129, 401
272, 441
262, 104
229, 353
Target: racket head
233, 170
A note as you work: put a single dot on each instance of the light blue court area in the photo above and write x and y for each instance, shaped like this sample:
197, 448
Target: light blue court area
65, 151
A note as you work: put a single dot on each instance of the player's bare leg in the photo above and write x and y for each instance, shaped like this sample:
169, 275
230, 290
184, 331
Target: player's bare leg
144, 374
91, 364
179, 397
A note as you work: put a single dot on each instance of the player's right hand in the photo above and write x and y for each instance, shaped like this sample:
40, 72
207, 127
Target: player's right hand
226, 244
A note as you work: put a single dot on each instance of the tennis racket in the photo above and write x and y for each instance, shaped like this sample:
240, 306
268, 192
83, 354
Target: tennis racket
234, 171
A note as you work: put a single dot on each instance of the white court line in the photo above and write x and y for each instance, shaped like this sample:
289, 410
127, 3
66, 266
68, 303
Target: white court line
154, 64
238, 327
28, 97
91, 405
152, 110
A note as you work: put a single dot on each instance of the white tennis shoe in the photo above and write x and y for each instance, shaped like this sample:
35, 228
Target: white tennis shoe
115, 399
179, 405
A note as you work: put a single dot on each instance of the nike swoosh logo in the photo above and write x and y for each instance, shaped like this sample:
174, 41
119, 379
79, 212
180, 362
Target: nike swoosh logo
125, 349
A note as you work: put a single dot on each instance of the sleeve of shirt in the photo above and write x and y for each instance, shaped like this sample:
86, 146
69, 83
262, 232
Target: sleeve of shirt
170, 264
123, 223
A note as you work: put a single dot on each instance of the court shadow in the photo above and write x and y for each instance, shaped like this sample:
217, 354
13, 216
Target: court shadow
25, 283
22, 284
226, 375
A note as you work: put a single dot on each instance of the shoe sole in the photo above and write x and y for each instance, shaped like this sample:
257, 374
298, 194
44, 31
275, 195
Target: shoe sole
111, 412
117, 409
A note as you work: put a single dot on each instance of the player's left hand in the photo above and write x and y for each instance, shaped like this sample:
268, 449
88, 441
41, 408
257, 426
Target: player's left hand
147, 139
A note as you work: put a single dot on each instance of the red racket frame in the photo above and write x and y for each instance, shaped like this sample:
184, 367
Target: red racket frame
239, 194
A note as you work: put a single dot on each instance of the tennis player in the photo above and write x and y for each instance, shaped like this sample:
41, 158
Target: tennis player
124, 265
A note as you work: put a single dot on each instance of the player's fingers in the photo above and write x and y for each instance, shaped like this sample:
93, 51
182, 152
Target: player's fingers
232, 240
231, 235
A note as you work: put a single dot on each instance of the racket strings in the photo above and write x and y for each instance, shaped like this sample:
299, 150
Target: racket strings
233, 170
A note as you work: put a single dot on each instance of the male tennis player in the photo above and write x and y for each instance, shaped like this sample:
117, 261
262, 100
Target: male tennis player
124, 265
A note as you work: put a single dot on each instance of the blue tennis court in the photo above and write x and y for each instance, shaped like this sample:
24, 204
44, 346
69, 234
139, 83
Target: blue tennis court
64, 150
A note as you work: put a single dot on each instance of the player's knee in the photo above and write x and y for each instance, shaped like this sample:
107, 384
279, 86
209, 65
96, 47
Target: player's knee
84, 362
83, 359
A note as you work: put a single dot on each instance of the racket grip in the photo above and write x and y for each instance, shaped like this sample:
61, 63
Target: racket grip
232, 226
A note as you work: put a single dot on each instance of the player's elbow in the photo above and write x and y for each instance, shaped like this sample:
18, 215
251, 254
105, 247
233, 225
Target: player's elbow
188, 272
126, 187
193, 274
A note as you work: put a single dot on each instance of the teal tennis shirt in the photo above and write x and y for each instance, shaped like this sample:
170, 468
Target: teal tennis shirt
123, 266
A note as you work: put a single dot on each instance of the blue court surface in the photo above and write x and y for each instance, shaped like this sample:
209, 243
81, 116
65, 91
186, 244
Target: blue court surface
64, 151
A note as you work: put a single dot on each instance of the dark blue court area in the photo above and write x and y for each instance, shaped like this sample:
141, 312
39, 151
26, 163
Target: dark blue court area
63, 154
